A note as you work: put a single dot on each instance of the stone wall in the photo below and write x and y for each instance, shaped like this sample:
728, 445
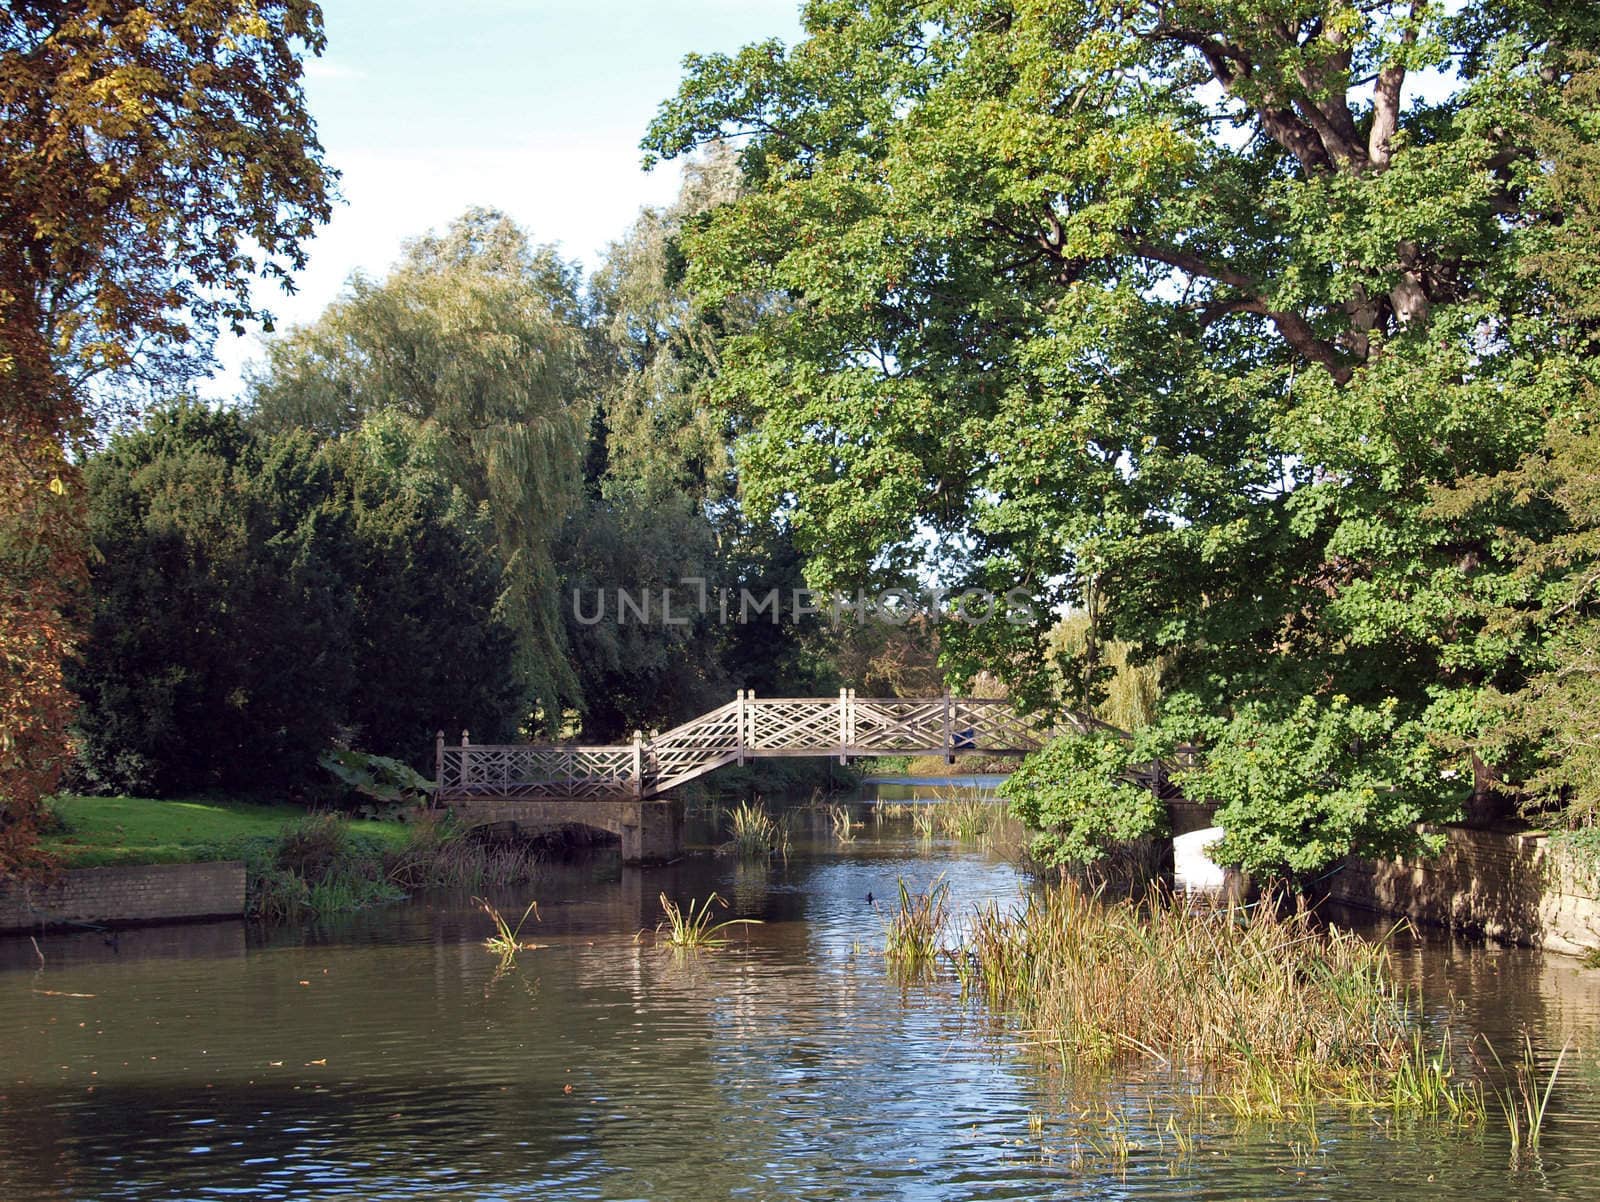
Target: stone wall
1509, 885
126, 895
651, 831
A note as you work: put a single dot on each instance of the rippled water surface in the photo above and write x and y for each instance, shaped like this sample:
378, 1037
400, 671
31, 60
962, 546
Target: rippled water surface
384, 1058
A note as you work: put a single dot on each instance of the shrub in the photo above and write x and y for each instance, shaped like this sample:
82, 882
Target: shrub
1077, 794
1298, 793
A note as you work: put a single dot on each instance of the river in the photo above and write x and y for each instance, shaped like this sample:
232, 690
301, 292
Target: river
383, 1057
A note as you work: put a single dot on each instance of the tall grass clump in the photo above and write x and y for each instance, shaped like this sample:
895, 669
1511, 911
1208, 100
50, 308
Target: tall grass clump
1274, 1013
315, 868
1523, 1103
968, 814
912, 936
694, 926
756, 834
439, 853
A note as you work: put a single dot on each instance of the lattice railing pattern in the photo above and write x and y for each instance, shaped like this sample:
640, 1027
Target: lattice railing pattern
886, 726
794, 725
745, 728
533, 772
693, 749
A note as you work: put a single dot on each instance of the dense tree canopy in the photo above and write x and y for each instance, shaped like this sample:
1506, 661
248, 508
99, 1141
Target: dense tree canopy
1178, 312
479, 336
257, 599
155, 158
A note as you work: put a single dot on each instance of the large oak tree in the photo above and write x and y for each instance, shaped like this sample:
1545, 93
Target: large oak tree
1179, 312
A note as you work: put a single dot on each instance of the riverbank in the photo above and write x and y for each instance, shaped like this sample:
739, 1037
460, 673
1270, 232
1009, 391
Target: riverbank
97, 832
128, 860
932, 766
1513, 885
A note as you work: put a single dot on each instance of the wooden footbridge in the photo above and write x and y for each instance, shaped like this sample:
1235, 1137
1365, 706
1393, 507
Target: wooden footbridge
744, 729
613, 786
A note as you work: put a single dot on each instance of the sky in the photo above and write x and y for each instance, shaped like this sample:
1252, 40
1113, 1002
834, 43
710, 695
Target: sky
535, 107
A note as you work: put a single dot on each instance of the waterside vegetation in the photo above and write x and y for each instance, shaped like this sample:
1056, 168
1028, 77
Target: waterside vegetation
694, 926
297, 864
1269, 1014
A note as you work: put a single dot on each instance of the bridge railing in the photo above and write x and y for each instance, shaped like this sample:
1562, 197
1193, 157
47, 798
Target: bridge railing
745, 728
526, 771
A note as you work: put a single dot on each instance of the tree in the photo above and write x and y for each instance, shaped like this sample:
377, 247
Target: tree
1180, 310
663, 509
258, 599
1545, 511
216, 650
154, 159
479, 337
655, 663
660, 430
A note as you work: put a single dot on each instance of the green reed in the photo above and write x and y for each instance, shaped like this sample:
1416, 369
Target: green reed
912, 935
694, 926
1273, 1012
756, 834
507, 940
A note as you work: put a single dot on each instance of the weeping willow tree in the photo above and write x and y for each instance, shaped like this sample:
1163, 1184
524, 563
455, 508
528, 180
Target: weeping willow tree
478, 337
1123, 693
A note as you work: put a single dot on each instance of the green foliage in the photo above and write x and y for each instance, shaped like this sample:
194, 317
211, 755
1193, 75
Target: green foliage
1121, 692
1077, 794
1542, 731
256, 600
641, 674
660, 434
316, 867
476, 338
379, 777
1177, 313
1296, 794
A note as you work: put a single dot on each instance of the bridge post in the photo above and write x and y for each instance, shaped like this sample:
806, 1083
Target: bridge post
844, 723
949, 750
739, 714
438, 765
638, 765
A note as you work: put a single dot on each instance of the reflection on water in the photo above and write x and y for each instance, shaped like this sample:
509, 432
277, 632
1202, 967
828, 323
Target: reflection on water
382, 1058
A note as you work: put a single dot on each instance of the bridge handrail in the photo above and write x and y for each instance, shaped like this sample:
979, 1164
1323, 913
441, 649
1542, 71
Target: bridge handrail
746, 727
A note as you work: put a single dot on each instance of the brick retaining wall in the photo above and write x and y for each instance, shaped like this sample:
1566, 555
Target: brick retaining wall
1509, 885
127, 895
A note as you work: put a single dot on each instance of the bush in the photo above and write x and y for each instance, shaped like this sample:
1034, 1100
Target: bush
314, 847
1296, 794
317, 867
257, 600
1077, 794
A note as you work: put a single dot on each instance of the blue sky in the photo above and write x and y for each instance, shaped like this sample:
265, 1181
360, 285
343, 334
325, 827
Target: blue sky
535, 107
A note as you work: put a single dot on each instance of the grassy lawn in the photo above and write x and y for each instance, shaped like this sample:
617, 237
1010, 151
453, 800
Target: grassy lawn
142, 830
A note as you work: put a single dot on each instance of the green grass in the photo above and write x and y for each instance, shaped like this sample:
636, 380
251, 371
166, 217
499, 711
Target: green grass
100, 831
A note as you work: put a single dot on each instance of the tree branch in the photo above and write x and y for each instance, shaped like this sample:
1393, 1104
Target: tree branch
1386, 101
